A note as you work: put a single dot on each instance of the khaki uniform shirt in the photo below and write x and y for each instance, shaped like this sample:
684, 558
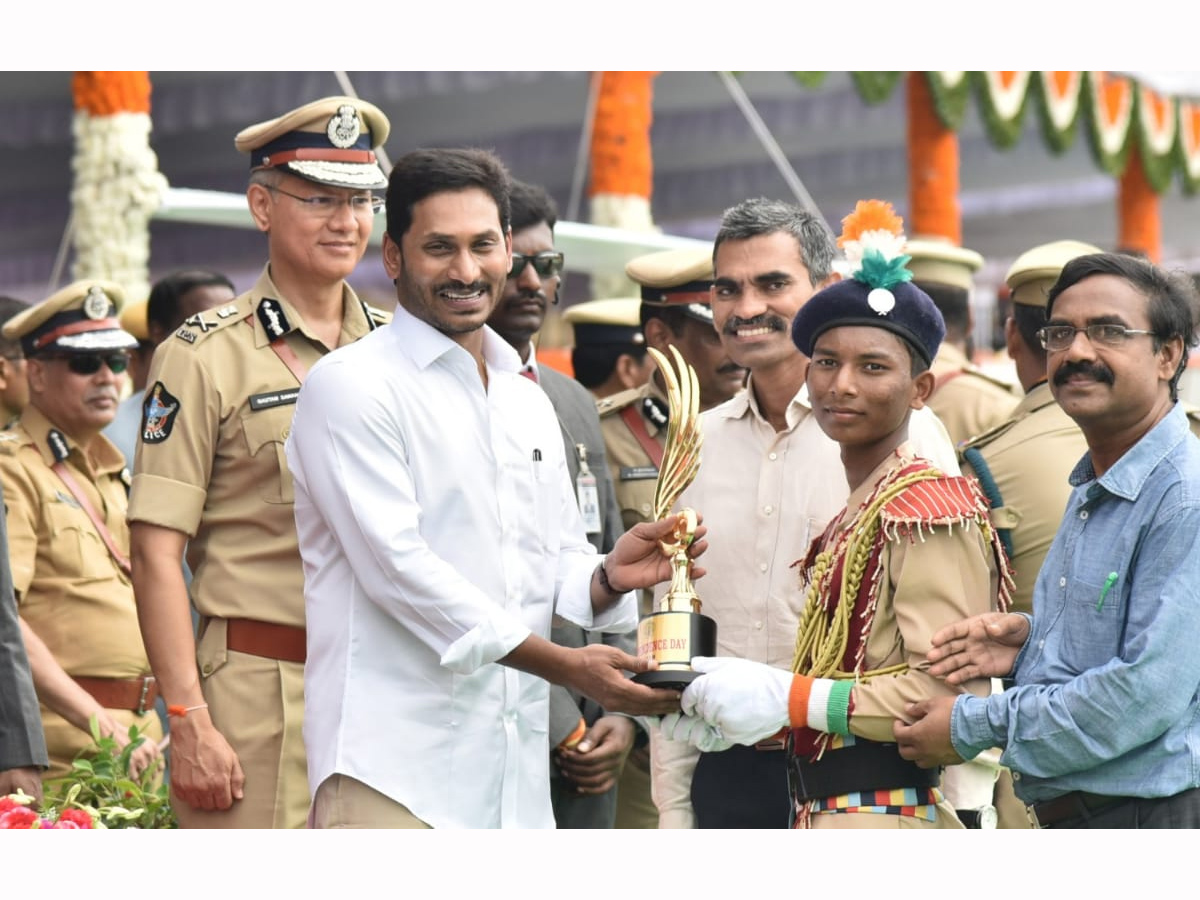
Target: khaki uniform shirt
634, 473
213, 467
945, 576
967, 399
70, 590
1030, 456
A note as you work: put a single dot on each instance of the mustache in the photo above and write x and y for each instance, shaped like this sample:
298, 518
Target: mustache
461, 286
729, 368
1097, 371
764, 321
526, 294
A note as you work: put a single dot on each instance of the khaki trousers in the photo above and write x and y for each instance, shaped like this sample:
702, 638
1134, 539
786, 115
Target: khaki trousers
258, 705
345, 802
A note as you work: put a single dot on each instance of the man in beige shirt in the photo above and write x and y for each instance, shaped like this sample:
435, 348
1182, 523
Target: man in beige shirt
211, 473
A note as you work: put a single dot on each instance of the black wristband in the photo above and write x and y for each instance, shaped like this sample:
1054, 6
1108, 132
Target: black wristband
602, 574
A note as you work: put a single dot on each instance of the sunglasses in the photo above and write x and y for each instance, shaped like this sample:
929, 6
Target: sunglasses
89, 364
545, 264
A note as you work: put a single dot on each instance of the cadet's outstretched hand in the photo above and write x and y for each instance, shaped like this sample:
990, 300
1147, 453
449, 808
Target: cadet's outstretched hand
983, 646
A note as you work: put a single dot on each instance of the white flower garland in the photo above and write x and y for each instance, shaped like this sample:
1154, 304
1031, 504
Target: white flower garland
117, 189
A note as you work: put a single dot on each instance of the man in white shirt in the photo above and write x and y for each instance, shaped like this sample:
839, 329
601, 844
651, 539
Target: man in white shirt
764, 509
439, 535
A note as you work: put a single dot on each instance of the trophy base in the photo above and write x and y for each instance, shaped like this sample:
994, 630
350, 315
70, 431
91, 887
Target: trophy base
672, 638
667, 679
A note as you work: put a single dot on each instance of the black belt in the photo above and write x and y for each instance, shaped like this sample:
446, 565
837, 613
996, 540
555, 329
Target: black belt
862, 766
1075, 805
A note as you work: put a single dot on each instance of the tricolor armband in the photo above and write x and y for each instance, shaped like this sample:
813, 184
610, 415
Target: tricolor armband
821, 704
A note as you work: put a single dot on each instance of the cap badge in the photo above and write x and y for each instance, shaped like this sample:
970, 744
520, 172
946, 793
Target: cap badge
881, 300
343, 128
96, 303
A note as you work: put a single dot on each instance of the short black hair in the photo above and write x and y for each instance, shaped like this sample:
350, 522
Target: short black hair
594, 363
672, 316
162, 309
1173, 304
1030, 320
530, 205
953, 302
10, 348
422, 173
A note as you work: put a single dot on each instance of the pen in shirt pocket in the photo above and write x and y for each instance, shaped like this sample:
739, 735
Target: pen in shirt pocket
1108, 583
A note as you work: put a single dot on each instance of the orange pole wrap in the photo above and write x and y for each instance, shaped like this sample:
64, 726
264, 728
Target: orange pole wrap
932, 167
1140, 225
621, 159
108, 93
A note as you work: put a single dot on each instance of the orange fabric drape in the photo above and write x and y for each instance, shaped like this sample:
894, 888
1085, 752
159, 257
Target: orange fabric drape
932, 167
1138, 209
108, 93
621, 161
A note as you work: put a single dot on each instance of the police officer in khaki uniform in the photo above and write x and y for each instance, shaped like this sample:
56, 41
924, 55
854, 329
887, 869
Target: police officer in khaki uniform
14, 386
967, 400
675, 310
65, 490
1023, 463
609, 353
211, 473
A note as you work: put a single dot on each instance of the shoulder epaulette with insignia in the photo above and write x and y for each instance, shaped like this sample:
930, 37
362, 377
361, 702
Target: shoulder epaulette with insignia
987, 376
203, 324
948, 500
986, 437
617, 402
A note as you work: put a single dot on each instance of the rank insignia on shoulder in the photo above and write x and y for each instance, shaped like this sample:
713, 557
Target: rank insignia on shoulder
58, 444
158, 414
224, 312
198, 321
274, 322
656, 411
186, 335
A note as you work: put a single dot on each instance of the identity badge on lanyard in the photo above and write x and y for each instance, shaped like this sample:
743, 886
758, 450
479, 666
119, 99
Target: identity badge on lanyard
586, 493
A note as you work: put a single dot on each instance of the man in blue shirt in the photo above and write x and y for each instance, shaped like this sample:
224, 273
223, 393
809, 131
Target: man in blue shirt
1100, 727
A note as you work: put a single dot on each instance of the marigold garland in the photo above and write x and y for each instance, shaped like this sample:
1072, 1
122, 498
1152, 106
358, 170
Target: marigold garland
1140, 218
109, 93
621, 159
933, 167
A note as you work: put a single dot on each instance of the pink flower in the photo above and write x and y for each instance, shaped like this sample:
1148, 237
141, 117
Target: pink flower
75, 818
20, 817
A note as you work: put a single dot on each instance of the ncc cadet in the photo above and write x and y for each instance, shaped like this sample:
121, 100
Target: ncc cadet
65, 489
609, 355
968, 400
675, 309
211, 473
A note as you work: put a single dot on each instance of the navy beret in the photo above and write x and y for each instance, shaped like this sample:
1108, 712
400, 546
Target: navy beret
903, 309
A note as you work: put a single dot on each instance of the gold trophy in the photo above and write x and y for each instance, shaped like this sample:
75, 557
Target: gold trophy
676, 631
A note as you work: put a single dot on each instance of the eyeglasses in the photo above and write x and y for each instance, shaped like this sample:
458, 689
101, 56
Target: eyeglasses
545, 264
1060, 337
322, 206
89, 363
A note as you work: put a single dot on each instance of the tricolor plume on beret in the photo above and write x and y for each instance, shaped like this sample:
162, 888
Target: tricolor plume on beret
879, 291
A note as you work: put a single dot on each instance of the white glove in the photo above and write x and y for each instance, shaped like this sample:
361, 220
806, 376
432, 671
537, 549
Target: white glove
744, 700
697, 732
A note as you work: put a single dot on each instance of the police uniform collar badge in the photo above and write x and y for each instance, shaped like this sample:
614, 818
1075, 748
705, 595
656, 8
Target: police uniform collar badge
655, 410
58, 445
274, 321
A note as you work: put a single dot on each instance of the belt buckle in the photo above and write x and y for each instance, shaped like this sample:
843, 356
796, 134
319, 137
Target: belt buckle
141, 707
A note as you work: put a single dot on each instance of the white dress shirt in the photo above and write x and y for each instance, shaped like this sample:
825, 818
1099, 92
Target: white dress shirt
765, 496
438, 531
